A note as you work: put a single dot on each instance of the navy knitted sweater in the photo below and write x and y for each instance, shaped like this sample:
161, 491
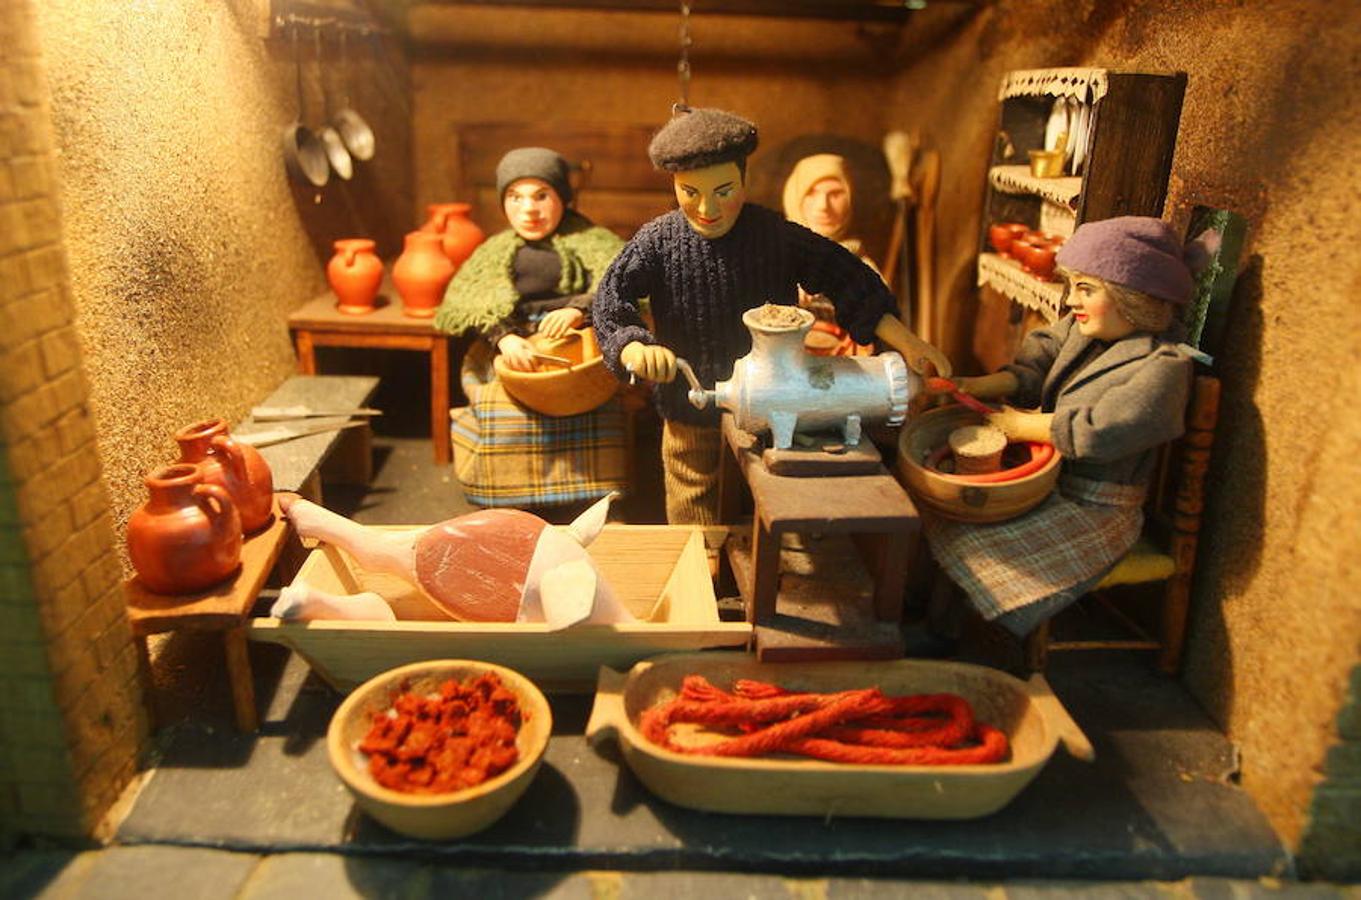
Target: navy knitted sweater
699, 288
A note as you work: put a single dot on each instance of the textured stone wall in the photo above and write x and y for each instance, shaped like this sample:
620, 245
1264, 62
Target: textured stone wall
1271, 129
71, 718
188, 244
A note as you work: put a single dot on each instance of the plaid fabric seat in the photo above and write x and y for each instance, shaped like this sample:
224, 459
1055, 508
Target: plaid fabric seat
507, 455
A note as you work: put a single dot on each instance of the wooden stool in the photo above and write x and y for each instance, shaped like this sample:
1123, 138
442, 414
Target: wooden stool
801, 615
223, 608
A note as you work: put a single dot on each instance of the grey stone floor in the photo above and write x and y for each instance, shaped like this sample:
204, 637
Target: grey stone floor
228, 815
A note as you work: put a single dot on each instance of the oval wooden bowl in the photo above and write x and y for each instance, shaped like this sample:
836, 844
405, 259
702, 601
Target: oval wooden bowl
977, 503
556, 390
436, 816
1032, 718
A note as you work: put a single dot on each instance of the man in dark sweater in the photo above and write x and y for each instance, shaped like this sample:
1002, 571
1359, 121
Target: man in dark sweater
701, 267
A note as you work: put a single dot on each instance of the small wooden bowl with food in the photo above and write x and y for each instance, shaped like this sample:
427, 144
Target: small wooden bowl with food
441, 749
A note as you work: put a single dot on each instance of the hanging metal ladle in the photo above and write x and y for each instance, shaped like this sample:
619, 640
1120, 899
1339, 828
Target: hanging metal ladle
356, 133
336, 154
304, 154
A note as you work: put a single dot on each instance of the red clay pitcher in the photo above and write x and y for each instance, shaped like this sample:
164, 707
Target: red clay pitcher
237, 467
187, 536
355, 273
459, 234
421, 273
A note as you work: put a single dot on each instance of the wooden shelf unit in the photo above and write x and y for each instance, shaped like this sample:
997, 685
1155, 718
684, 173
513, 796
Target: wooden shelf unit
1128, 149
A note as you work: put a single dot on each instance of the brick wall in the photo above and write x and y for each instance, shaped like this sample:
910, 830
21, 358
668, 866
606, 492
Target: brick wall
71, 718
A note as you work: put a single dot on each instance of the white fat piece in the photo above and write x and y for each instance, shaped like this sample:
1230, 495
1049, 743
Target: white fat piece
390, 552
559, 592
300, 602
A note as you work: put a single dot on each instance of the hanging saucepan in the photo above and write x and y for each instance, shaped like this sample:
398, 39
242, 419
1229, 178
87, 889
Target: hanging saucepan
336, 153
356, 133
304, 154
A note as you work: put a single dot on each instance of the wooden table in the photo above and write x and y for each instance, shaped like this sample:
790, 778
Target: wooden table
847, 601
319, 324
223, 608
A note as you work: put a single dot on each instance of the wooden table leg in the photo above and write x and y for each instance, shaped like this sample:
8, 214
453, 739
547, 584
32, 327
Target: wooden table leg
242, 682
307, 354
439, 400
148, 679
765, 573
890, 576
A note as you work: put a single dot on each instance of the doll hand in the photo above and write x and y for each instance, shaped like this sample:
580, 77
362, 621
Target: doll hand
928, 355
517, 352
650, 361
560, 321
1022, 426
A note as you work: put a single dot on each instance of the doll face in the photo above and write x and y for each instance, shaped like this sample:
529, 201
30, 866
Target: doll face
826, 206
533, 208
711, 198
1095, 310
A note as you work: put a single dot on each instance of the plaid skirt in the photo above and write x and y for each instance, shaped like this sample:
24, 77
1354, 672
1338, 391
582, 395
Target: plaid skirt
1051, 556
507, 455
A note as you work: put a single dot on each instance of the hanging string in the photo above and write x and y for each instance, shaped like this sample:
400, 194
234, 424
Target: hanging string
683, 67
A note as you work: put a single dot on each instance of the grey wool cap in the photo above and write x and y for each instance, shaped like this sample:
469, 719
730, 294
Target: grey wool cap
701, 137
534, 162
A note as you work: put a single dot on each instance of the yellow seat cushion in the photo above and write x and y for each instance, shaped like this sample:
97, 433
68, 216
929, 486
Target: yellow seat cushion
1142, 564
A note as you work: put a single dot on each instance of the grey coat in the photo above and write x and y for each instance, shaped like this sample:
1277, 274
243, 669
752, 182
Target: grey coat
1111, 415
1113, 406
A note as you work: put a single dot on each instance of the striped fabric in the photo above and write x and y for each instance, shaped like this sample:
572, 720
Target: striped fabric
1061, 547
506, 455
690, 466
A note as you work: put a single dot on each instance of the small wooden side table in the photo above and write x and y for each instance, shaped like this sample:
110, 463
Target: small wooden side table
319, 324
844, 603
221, 608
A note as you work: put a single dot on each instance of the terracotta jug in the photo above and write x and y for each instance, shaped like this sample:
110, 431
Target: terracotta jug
355, 273
237, 467
187, 536
459, 235
421, 273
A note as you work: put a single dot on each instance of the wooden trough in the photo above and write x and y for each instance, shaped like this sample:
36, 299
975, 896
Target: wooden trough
660, 572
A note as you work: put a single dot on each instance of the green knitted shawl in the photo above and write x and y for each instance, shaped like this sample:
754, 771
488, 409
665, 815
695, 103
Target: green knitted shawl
483, 291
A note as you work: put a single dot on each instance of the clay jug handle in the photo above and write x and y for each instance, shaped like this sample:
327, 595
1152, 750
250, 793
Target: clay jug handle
236, 457
205, 494
350, 254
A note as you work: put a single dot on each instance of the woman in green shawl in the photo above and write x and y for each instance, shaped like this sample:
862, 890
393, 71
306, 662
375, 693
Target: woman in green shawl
539, 275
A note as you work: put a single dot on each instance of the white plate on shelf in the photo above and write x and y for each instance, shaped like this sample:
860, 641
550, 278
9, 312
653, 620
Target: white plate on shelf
1059, 123
1083, 118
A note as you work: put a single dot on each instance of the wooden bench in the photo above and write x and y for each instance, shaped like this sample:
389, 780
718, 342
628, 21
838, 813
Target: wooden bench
343, 456
222, 608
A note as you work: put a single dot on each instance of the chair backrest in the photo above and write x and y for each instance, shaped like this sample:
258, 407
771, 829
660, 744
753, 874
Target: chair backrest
1175, 492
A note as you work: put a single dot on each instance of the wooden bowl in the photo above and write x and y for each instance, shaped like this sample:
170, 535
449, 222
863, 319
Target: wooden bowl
556, 390
436, 816
961, 501
1032, 718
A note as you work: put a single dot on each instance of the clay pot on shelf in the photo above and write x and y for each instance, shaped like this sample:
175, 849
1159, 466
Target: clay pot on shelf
355, 273
1039, 260
999, 238
459, 235
421, 273
187, 536
238, 468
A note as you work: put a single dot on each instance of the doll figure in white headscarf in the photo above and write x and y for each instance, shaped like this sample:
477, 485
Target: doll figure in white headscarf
819, 195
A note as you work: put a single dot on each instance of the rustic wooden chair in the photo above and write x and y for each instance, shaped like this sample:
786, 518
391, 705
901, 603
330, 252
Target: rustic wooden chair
1166, 553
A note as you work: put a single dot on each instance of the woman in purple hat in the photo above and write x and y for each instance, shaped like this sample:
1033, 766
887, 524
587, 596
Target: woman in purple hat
1108, 384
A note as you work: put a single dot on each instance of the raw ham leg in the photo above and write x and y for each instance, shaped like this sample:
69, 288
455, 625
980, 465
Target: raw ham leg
498, 565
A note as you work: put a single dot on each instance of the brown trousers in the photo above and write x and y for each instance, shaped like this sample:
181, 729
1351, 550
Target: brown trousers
690, 457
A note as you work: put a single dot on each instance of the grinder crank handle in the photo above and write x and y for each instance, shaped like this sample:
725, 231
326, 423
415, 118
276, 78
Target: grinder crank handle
698, 396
